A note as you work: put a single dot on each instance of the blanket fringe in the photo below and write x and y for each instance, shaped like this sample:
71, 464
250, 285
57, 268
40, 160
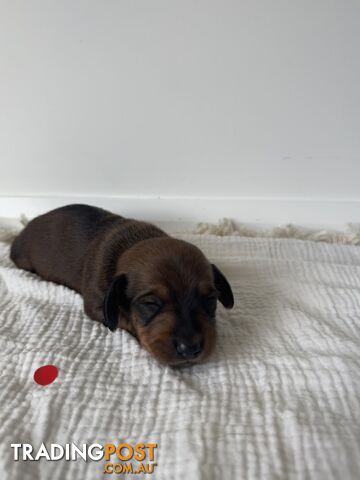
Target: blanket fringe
228, 227
10, 228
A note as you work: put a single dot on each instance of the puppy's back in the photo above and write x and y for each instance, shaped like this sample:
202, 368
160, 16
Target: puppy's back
54, 245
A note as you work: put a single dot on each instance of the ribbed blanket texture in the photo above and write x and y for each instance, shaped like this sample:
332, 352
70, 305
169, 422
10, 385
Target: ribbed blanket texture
279, 399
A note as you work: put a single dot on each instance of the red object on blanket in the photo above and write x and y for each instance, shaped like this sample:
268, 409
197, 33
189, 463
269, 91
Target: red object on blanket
45, 375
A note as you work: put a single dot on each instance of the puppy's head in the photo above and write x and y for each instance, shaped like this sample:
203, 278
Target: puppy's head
165, 293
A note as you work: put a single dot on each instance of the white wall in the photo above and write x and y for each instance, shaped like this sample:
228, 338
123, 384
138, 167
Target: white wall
184, 98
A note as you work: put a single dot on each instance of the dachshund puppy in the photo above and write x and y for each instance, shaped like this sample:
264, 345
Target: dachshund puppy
131, 275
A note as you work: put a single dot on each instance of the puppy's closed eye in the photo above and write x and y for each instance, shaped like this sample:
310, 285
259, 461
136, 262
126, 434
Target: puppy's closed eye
209, 302
148, 307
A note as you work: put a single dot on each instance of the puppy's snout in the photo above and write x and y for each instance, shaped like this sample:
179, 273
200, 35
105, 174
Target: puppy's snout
188, 350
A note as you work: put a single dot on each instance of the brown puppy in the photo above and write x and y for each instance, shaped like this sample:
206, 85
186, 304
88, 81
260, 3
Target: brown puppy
131, 275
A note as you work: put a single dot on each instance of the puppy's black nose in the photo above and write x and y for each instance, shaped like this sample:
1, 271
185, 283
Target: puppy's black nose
188, 351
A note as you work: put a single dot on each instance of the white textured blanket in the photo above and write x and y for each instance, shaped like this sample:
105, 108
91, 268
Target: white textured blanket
280, 399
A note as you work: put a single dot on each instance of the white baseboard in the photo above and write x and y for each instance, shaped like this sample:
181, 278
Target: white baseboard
254, 210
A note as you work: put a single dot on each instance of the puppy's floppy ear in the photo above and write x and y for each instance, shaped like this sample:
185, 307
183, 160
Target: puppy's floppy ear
226, 296
115, 297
